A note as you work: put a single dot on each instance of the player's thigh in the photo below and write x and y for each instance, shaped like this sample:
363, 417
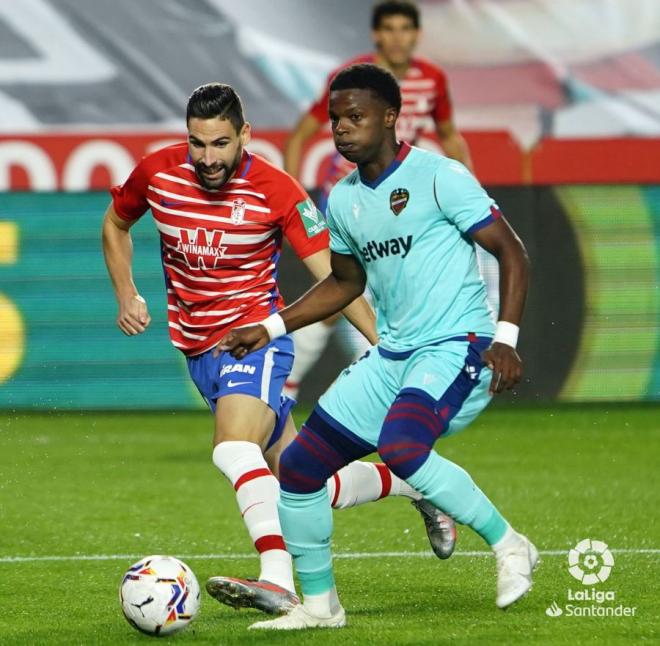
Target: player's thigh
245, 394
474, 404
275, 450
243, 418
360, 397
454, 375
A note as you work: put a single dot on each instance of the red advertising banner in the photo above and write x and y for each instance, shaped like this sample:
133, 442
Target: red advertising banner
97, 160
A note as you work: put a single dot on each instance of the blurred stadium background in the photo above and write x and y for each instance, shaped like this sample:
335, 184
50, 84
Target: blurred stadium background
558, 99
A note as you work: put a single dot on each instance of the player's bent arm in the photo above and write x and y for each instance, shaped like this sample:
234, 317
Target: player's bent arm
345, 283
332, 294
359, 312
306, 128
500, 240
453, 143
133, 317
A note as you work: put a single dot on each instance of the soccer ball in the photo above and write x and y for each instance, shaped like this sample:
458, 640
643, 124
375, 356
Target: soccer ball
159, 595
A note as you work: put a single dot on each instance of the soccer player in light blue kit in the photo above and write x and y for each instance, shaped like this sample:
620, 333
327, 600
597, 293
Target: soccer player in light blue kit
405, 222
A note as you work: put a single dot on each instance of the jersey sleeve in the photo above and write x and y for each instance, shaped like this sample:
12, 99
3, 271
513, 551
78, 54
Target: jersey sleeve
338, 243
130, 198
443, 109
302, 223
462, 200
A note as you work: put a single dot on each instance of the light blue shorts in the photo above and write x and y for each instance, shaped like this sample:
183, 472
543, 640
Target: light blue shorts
450, 372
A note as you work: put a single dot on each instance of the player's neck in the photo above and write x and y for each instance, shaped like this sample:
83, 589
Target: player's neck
399, 71
374, 168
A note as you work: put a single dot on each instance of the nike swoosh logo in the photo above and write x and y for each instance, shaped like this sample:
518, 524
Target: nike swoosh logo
231, 384
169, 204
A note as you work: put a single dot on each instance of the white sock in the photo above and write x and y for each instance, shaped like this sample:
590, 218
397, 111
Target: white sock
309, 343
360, 482
324, 605
257, 493
510, 540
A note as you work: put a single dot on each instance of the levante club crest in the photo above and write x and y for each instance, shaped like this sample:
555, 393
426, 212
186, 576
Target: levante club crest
398, 200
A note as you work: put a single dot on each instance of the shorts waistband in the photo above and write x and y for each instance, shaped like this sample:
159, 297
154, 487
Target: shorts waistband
470, 337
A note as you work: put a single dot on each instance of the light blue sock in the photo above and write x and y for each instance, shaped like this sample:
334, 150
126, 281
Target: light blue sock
306, 521
451, 489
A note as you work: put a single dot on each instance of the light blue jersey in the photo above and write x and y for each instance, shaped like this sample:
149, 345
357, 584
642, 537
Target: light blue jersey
410, 229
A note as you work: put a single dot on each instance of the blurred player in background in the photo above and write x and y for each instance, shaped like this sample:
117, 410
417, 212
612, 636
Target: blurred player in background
426, 108
406, 221
221, 213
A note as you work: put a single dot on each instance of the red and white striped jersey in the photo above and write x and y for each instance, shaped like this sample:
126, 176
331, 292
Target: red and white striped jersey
424, 102
220, 248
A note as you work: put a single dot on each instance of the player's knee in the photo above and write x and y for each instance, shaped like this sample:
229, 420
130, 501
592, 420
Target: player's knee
301, 470
401, 452
409, 431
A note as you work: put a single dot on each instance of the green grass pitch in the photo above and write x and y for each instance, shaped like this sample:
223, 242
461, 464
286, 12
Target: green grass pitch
97, 491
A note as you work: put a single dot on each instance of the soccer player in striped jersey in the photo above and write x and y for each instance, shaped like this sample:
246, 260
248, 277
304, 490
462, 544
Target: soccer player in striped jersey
426, 108
221, 213
406, 221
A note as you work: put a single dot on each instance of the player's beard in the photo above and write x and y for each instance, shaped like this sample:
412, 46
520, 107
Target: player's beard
214, 183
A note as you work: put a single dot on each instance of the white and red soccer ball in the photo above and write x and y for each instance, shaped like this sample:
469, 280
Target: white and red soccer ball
159, 595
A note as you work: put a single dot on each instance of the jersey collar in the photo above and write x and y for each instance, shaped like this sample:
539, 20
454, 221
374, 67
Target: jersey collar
244, 166
394, 164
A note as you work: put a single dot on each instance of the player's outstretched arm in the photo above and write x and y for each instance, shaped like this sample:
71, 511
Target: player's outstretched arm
332, 294
133, 317
500, 240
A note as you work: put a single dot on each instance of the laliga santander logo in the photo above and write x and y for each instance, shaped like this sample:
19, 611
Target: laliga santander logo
590, 562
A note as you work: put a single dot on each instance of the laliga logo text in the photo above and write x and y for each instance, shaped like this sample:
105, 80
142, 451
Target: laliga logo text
590, 562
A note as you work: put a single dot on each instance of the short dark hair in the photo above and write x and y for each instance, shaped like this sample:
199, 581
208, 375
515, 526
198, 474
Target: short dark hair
213, 100
366, 76
394, 8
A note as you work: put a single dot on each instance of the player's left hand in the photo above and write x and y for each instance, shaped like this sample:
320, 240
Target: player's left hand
242, 341
506, 365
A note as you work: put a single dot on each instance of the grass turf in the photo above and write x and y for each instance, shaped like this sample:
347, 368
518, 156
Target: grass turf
128, 485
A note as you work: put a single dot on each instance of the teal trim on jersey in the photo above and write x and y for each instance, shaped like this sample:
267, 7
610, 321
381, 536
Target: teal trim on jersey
410, 233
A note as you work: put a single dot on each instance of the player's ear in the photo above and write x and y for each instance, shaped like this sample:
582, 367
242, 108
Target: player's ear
245, 134
390, 117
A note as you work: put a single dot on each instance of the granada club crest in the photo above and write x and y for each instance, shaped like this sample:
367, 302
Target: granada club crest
398, 199
238, 211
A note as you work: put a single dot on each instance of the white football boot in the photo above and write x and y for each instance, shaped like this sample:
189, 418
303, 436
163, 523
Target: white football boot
515, 564
299, 619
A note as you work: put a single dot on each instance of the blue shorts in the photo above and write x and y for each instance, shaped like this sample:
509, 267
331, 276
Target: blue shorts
260, 374
450, 372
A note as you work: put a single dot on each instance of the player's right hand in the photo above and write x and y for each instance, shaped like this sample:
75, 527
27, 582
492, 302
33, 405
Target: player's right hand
243, 340
133, 315
506, 365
